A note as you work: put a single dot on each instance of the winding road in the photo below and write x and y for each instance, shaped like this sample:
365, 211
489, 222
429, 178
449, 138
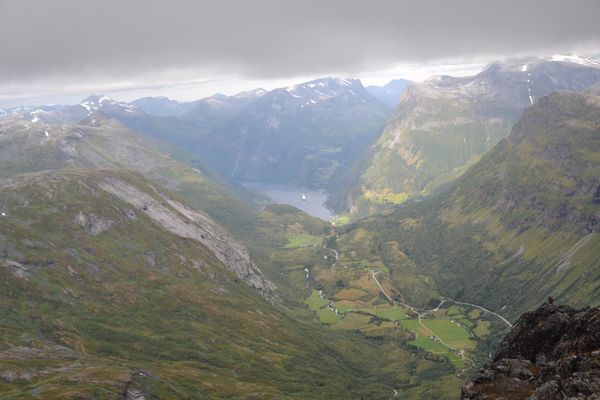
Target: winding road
448, 300
422, 313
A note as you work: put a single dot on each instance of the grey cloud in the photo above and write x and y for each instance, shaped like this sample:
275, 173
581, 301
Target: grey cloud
116, 39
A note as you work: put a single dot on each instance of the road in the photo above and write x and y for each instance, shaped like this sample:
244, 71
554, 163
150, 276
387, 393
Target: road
422, 313
416, 310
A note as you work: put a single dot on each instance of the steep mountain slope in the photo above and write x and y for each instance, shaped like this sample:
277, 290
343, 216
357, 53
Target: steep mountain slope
113, 288
519, 225
90, 211
100, 142
390, 93
442, 125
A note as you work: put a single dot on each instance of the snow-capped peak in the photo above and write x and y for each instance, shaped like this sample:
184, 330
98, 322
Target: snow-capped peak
35, 115
325, 87
95, 103
312, 92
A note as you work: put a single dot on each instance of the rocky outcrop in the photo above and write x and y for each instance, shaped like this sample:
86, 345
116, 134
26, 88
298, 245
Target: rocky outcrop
184, 221
551, 353
94, 224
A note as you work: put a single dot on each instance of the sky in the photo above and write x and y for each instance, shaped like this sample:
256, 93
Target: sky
63, 50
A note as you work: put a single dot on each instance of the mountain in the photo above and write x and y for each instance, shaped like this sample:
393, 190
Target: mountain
594, 89
551, 353
57, 114
444, 124
218, 109
111, 287
117, 274
389, 93
99, 142
304, 134
165, 107
519, 225
162, 106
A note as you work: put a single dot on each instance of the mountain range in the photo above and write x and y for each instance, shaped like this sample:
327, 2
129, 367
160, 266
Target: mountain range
134, 266
520, 224
307, 134
444, 124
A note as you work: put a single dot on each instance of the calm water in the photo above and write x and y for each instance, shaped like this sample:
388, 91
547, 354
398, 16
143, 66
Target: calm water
283, 194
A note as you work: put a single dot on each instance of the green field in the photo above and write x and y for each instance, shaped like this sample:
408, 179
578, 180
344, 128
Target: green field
341, 220
345, 306
450, 333
315, 302
327, 316
302, 239
393, 313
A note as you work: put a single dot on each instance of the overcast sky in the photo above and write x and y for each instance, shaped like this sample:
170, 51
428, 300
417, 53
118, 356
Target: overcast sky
64, 49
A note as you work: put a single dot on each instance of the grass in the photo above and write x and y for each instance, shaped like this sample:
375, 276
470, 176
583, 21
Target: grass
353, 321
451, 333
482, 329
302, 239
344, 306
315, 302
454, 311
350, 294
341, 220
184, 318
393, 313
424, 341
327, 316
386, 196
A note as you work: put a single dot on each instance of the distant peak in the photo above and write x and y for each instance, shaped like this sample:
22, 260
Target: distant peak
95, 102
323, 86
252, 93
96, 99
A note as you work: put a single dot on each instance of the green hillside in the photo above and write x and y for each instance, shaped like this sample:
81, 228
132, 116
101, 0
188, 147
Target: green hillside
100, 297
519, 225
444, 124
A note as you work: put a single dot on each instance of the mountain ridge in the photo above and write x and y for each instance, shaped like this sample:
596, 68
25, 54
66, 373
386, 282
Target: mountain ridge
443, 124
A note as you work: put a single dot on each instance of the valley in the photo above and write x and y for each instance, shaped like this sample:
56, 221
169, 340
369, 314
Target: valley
294, 243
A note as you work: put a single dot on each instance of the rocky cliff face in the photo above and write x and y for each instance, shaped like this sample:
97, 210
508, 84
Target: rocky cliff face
551, 353
184, 221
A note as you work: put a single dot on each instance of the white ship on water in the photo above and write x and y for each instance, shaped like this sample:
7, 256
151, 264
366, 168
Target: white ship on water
303, 197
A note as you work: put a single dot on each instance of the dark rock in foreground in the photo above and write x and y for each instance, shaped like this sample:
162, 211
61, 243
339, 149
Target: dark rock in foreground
551, 353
